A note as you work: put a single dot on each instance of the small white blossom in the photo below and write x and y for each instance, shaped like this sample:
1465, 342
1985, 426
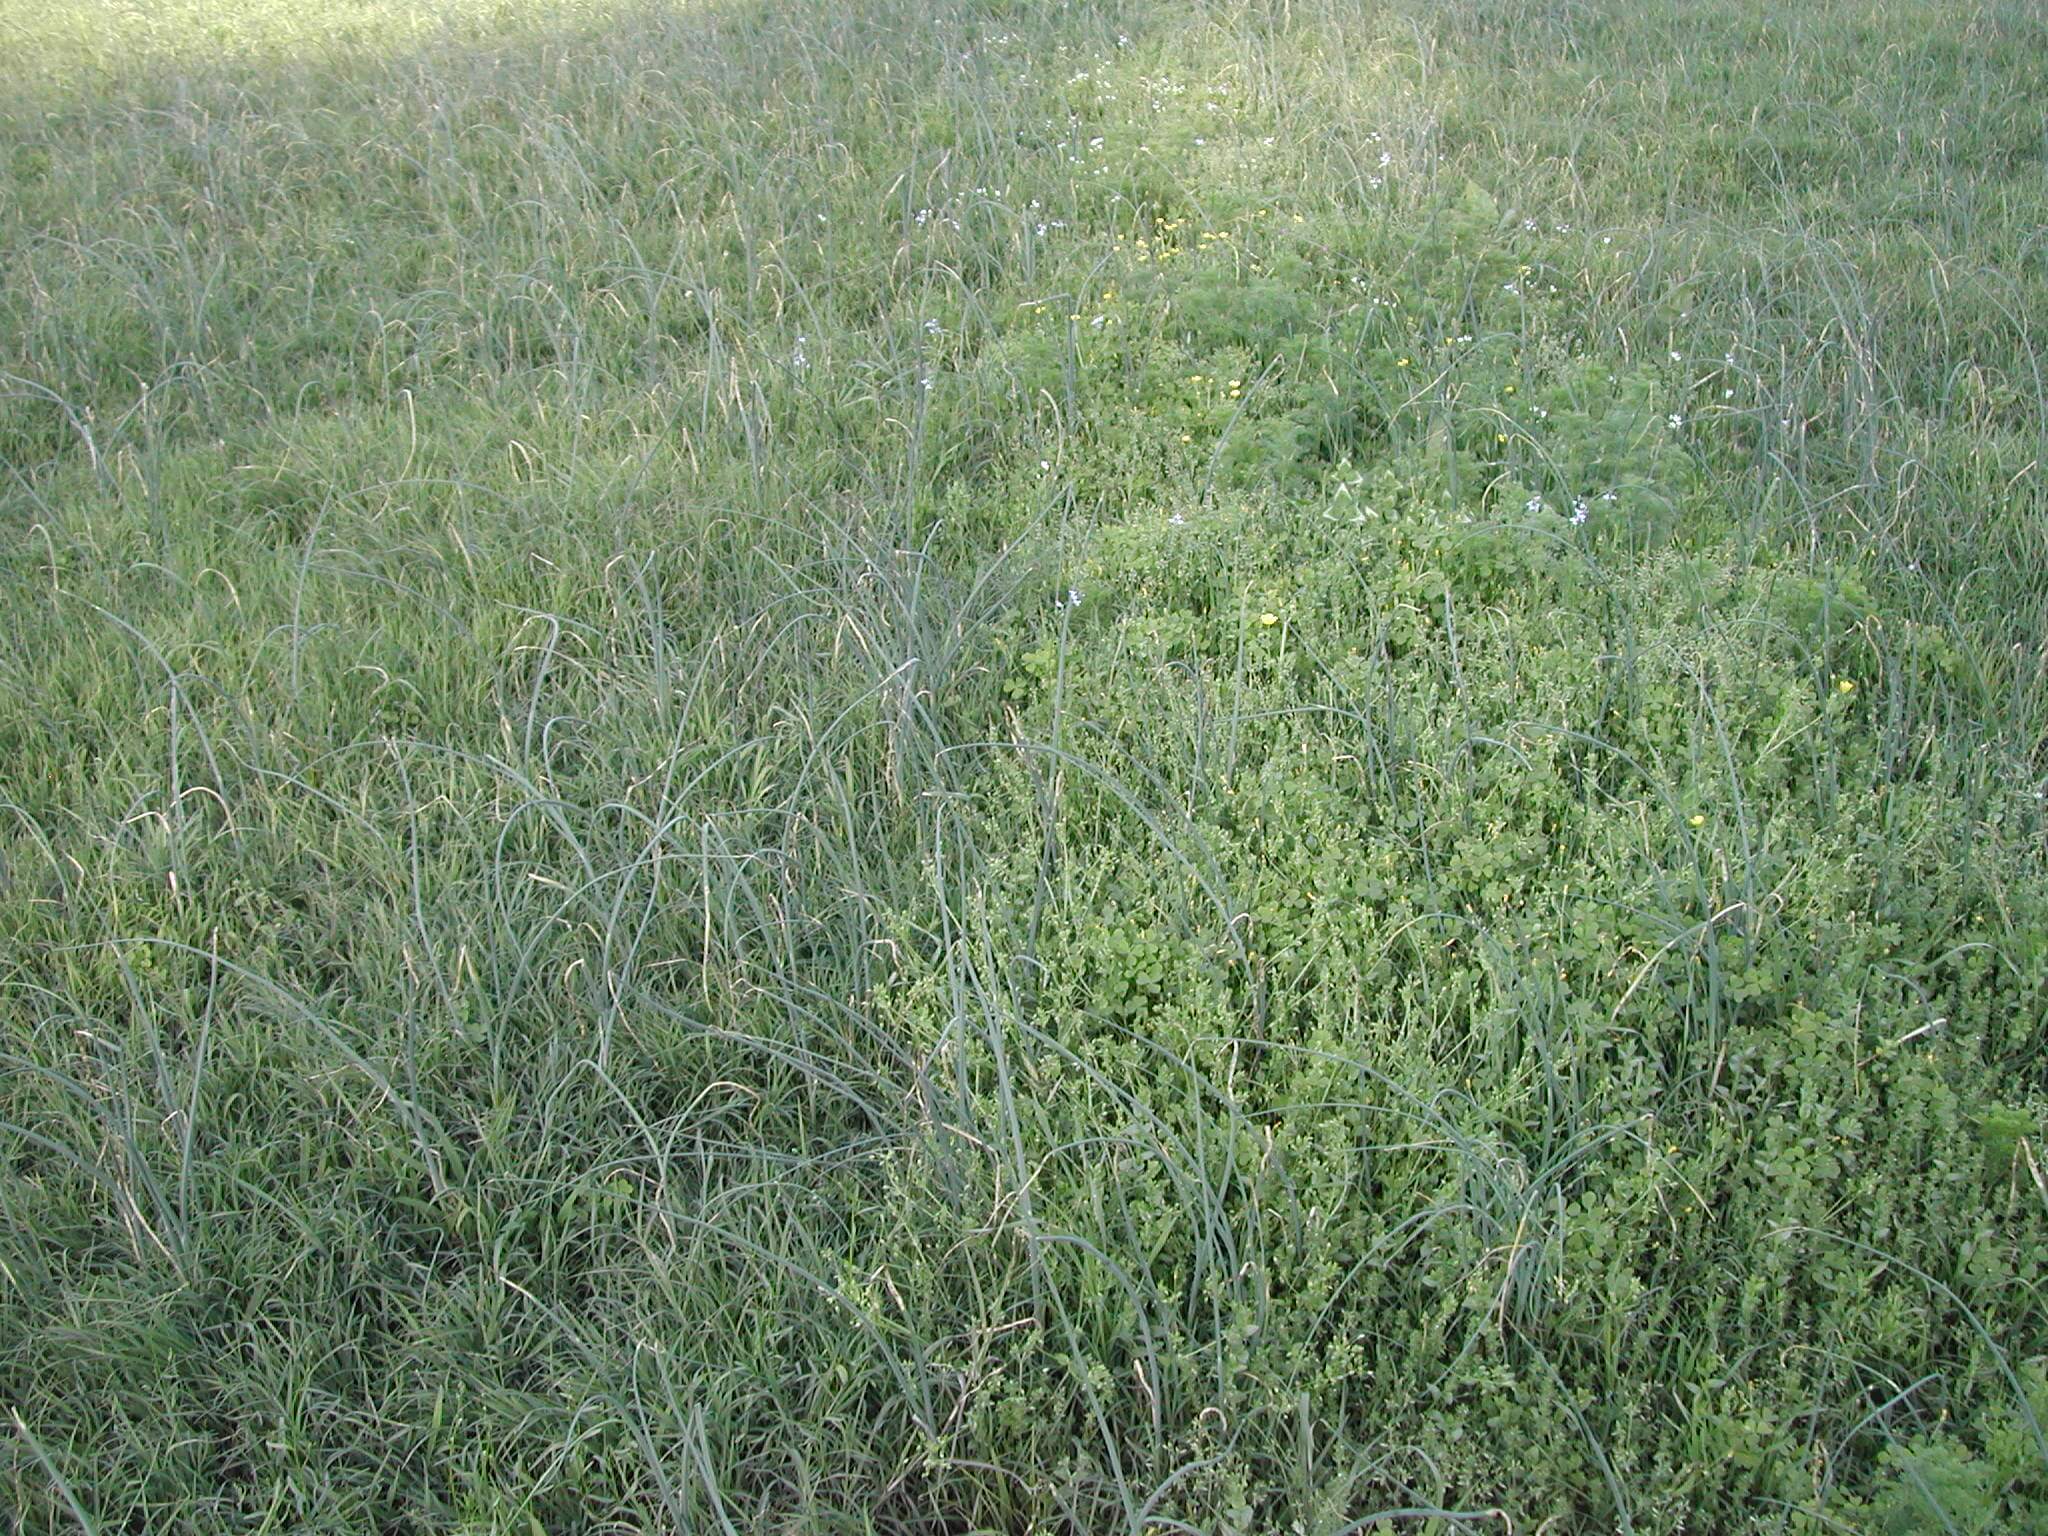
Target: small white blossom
1675, 420
1533, 505
1176, 520
1580, 512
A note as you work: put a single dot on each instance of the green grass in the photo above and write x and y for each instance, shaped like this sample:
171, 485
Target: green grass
992, 768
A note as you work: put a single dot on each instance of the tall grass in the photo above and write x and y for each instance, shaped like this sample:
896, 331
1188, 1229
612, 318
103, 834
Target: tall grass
962, 767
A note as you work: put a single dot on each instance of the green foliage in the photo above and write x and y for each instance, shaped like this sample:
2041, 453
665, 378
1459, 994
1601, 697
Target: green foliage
893, 767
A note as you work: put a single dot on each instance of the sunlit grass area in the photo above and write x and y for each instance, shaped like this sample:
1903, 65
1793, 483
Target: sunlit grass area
990, 768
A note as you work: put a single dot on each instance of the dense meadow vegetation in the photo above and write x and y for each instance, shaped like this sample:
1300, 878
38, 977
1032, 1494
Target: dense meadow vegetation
961, 766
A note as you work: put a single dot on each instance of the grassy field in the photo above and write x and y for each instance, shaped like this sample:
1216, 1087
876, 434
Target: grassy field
952, 767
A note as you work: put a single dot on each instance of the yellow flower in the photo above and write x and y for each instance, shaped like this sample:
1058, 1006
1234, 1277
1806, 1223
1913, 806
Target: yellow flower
1403, 363
1184, 437
1844, 686
1699, 820
1269, 619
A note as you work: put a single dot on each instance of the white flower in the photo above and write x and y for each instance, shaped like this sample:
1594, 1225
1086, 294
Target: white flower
1386, 159
1509, 288
1677, 358
1609, 496
1533, 505
925, 382
1073, 597
1530, 225
1580, 512
1675, 420
933, 328
1176, 520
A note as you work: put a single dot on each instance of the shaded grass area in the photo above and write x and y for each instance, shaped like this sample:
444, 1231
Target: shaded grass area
945, 768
